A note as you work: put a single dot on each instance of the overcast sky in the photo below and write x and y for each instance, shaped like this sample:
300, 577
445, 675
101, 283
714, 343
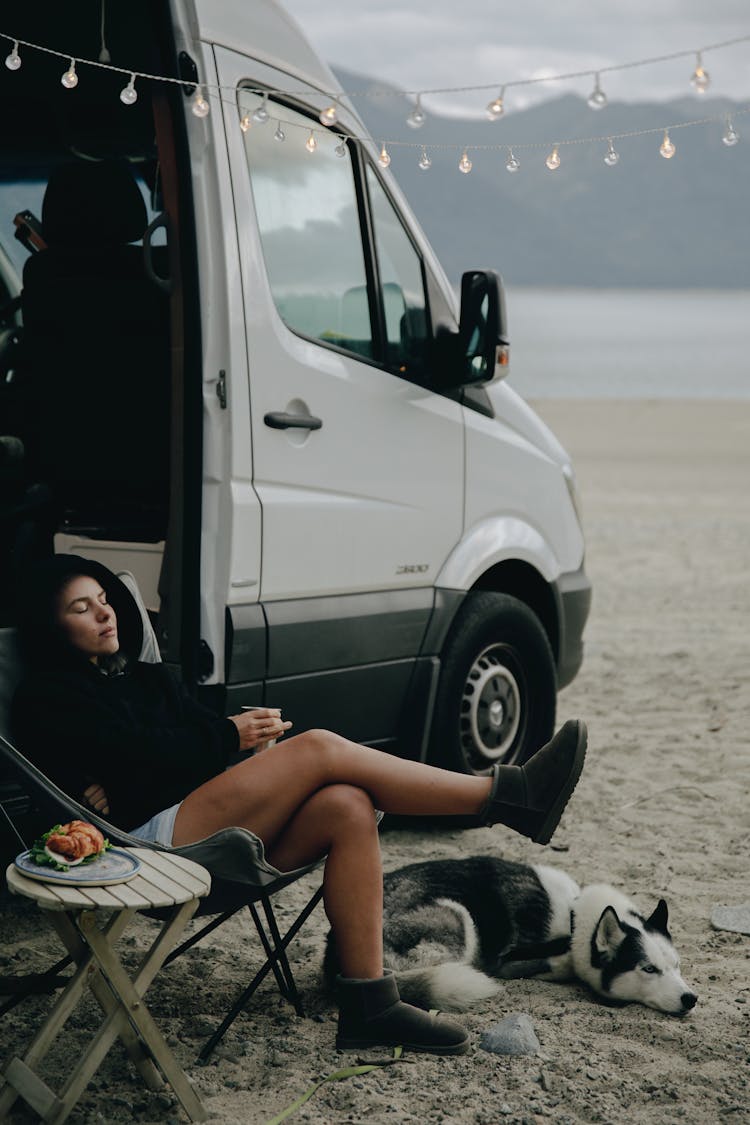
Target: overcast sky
423, 44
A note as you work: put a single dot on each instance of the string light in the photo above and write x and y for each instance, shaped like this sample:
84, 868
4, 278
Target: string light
731, 136
597, 99
129, 94
417, 117
279, 135
666, 148
199, 105
13, 60
612, 157
496, 107
384, 158
329, 115
701, 79
261, 114
70, 78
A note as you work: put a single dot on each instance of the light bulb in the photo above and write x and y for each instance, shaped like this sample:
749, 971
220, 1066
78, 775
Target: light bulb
612, 157
464, 164
246, 122
597, 99
329, 115
417, 117
340, 148
70, 78
513, 162
199, 105
261, 113
13, 60
129, 94
553, 160
731, 136
311, 144
701, 79
496, 108
279, 135
424, 161
384, 157
666, 148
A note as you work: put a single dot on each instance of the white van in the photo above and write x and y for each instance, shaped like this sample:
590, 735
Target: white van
268, 405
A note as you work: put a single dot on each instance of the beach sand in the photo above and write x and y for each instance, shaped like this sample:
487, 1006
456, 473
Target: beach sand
662, 809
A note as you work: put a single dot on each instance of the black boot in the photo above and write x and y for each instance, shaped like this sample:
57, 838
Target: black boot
531, 798
371, 1014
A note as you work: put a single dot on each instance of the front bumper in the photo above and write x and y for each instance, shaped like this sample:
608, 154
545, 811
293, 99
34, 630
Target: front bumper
573, 596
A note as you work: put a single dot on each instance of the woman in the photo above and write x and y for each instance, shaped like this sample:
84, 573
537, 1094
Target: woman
96, 718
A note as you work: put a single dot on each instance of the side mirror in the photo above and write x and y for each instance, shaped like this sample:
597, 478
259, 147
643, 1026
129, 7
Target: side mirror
483, 352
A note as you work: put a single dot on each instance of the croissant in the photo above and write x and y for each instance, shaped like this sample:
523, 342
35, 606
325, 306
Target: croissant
76, 840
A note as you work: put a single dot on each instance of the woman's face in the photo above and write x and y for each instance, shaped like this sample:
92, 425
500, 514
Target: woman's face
88, 622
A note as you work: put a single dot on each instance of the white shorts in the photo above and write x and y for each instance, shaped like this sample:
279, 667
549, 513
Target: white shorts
160, 828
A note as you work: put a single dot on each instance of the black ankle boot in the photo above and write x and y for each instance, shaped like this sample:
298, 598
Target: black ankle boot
531, 798
372, 1014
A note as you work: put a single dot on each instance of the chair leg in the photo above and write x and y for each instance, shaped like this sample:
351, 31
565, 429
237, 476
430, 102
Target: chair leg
260, 976
195, 938
291, 991
33, 984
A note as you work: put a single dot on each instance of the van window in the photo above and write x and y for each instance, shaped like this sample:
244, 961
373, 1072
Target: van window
306, 207
402, 284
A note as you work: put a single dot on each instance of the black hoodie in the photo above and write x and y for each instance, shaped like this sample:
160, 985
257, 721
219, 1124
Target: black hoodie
135, 731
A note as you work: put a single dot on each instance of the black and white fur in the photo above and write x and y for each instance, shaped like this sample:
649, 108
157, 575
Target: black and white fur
453, 928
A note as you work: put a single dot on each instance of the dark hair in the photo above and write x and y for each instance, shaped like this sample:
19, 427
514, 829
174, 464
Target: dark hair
40, 632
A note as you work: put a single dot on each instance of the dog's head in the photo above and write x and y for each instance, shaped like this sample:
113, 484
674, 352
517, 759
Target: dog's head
628, 958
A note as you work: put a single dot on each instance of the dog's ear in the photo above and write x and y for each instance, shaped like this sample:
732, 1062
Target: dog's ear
608, 934
659, 918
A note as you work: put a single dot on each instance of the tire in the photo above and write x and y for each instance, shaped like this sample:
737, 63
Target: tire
498, 686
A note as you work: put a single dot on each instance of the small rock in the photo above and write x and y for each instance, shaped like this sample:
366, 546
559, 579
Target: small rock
514, 1035
736, 919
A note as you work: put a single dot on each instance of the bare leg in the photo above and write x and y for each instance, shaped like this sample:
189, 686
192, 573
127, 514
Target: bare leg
339, 822
264, 792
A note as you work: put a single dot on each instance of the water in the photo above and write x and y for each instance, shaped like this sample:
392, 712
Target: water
623, 343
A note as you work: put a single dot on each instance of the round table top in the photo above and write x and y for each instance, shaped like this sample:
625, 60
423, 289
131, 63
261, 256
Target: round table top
162, 879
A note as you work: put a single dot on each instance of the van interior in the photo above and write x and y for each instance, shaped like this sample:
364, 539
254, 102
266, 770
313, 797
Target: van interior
99, 355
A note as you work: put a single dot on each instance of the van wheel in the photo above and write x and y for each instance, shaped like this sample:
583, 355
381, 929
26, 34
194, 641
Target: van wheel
498, 686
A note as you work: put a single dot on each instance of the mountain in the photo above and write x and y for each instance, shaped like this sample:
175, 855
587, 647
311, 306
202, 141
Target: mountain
647, 221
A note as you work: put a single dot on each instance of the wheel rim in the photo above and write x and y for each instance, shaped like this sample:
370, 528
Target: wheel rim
491, 708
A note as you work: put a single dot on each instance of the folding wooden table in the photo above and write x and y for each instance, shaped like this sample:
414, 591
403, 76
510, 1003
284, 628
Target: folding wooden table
89, 920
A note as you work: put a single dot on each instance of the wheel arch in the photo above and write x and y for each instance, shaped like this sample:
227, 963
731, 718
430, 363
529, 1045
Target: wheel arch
523, 581
506, 555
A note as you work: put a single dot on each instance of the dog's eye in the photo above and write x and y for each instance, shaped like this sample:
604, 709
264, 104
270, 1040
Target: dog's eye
649, 969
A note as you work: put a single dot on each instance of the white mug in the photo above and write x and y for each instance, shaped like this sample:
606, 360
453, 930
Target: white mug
261, 745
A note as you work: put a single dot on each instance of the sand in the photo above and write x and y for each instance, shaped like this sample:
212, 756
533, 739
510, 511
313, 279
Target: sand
661, 810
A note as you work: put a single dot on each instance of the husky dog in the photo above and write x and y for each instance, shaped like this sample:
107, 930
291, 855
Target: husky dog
453, 928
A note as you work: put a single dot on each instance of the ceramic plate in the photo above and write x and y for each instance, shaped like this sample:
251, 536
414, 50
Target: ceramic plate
115, 866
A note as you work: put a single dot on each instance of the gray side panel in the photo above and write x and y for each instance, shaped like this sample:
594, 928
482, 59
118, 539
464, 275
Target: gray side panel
447, 603
245, 644
364, 704
315, 634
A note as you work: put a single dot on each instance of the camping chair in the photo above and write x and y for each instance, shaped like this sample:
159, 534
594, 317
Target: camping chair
240, 876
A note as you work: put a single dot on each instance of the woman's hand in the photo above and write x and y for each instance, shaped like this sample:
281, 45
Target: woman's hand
95, 797
259, 725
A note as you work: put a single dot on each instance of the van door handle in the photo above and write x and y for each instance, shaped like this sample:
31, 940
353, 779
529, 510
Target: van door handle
278, 420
